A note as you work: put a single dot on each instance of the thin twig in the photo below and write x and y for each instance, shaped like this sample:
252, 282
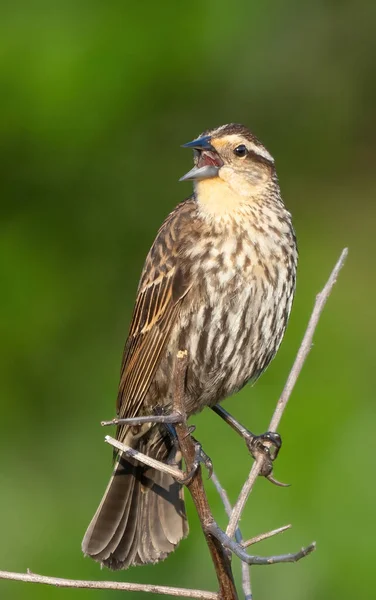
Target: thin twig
108, 585
303, 352
145, 459
264, 536
227, 542
246, 575
306, 344
171, 418
220, 557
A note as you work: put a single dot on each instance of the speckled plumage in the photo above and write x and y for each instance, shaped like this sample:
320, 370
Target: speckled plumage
219, 281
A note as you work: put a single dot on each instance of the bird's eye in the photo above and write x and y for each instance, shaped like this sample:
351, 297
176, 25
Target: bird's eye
241, 150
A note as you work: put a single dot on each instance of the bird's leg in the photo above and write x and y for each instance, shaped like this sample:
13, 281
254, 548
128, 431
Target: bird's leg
200, 456
267, 444
253, 442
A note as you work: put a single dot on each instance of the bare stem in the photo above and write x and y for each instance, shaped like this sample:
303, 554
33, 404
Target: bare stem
306, 344
264, 536
246, 576
145, 459
227, 542
109, 585
171, 418
303, 352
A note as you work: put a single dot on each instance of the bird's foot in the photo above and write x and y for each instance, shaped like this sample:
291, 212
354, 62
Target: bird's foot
200, 458
205, 459
267, 445
269, 442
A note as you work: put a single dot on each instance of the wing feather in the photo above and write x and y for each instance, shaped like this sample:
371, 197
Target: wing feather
162, 288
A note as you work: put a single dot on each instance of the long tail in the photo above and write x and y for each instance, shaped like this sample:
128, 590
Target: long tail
141, 517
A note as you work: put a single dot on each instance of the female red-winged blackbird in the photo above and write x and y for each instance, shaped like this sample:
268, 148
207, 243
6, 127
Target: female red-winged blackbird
218, 281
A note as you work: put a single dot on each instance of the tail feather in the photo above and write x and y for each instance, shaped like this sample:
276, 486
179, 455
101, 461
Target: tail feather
141, 517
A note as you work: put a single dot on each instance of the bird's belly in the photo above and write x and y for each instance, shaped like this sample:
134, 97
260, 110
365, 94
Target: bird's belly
216, 367
230, 343
230, 337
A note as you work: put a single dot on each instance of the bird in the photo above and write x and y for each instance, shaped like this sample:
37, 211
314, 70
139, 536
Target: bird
219, 282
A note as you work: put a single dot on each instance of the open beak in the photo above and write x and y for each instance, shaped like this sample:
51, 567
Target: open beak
209, 162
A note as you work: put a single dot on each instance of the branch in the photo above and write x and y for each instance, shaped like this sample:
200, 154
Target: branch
108, 585
171, 418
145, 459
250, 559
264, 536
218, 541
238, 547
306, 344
220, 557
246, 576
303, 352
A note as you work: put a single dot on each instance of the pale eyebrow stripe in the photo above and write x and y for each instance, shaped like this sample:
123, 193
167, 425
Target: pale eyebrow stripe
260, 151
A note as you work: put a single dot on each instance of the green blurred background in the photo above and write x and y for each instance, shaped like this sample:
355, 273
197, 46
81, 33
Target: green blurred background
95, 99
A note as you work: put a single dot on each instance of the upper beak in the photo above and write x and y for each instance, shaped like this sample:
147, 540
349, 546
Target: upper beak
202, 143
205, 171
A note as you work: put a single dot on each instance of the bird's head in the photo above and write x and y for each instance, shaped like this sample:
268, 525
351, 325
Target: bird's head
233, 156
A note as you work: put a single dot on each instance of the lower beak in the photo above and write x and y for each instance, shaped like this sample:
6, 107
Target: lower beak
208, 153
198, 173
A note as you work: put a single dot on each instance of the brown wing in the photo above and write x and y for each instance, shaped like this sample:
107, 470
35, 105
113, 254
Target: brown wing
162, 288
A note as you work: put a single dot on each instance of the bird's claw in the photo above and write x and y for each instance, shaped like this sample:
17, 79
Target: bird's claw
207, 462
268, 446
265, 443
200, 457
191, 429
276, 482
268, 443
